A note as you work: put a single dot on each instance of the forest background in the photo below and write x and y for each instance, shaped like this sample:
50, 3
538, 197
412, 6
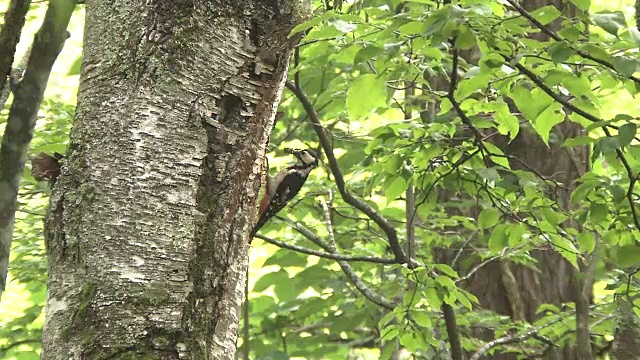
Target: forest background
433, 161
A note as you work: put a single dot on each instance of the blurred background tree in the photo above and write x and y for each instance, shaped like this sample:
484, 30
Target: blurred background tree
411, 165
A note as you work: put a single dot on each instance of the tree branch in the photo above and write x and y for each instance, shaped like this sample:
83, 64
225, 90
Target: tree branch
447, 310
10, 35
344, 265
540, 83
326, 255
28, 94
546, 30
347, 196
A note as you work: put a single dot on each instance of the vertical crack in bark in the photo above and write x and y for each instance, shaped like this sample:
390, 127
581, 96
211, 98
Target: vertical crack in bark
162, 177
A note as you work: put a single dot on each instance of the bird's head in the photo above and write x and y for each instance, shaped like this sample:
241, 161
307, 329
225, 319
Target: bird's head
306, 158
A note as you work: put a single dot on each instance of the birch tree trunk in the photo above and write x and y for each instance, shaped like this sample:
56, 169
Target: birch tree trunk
147, 228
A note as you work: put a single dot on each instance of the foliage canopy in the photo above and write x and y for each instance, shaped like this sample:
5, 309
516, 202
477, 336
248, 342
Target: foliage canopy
416, 107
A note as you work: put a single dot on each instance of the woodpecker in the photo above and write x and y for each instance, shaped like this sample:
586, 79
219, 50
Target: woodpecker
283, 187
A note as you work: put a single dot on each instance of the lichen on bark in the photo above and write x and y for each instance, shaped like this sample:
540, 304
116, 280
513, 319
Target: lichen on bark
172, 123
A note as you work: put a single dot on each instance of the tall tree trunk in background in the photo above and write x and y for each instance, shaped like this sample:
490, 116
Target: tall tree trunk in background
147, 231
514, 290
626, 345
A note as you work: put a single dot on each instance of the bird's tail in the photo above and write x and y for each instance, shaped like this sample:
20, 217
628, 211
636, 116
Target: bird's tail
256, 227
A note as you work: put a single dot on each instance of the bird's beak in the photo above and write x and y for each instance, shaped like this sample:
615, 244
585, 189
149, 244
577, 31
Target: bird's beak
294, 152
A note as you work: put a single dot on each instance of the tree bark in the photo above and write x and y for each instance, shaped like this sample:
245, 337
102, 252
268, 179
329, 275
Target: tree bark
147, 231
10, 35
627, 337
28, 94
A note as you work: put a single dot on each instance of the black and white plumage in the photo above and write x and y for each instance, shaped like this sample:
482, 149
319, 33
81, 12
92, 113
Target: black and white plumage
283, 187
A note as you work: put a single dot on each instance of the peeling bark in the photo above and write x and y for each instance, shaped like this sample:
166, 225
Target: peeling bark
148, 223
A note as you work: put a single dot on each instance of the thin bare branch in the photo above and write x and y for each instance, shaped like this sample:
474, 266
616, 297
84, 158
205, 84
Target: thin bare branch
326, 255
347, 196
346, 268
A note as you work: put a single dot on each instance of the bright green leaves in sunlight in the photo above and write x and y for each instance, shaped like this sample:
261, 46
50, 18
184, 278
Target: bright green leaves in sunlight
582, 4
546, 14
368, 92
488, 218
540, 109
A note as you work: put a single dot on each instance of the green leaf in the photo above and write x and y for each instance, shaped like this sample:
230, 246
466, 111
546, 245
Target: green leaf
421, 318
343, 26
565, 248
546, 14
468, 86
625, 65
269, 279
447, 270
586, 242
582, 4
560, 52
394, 188
577, 85
285, 291
635, 35
488, 218
507, 122
499, 238
410, 341
366, 94
445, 282
76, 67
578, 141
618, 193
466, 39
628, 256
311, 23
548, 307
516, 234
626, 133
610, 21
496, 157
386, 319
598, 212
531, 109
554, 218
581, 192
366, 53
433, 298
550, 117
389, 332
464, 300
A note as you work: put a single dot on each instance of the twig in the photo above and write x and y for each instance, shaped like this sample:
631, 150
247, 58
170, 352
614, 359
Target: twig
245, 319
347, 196
447, 310
326, 255
346, 268
8, 347
546, 30
632, 178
